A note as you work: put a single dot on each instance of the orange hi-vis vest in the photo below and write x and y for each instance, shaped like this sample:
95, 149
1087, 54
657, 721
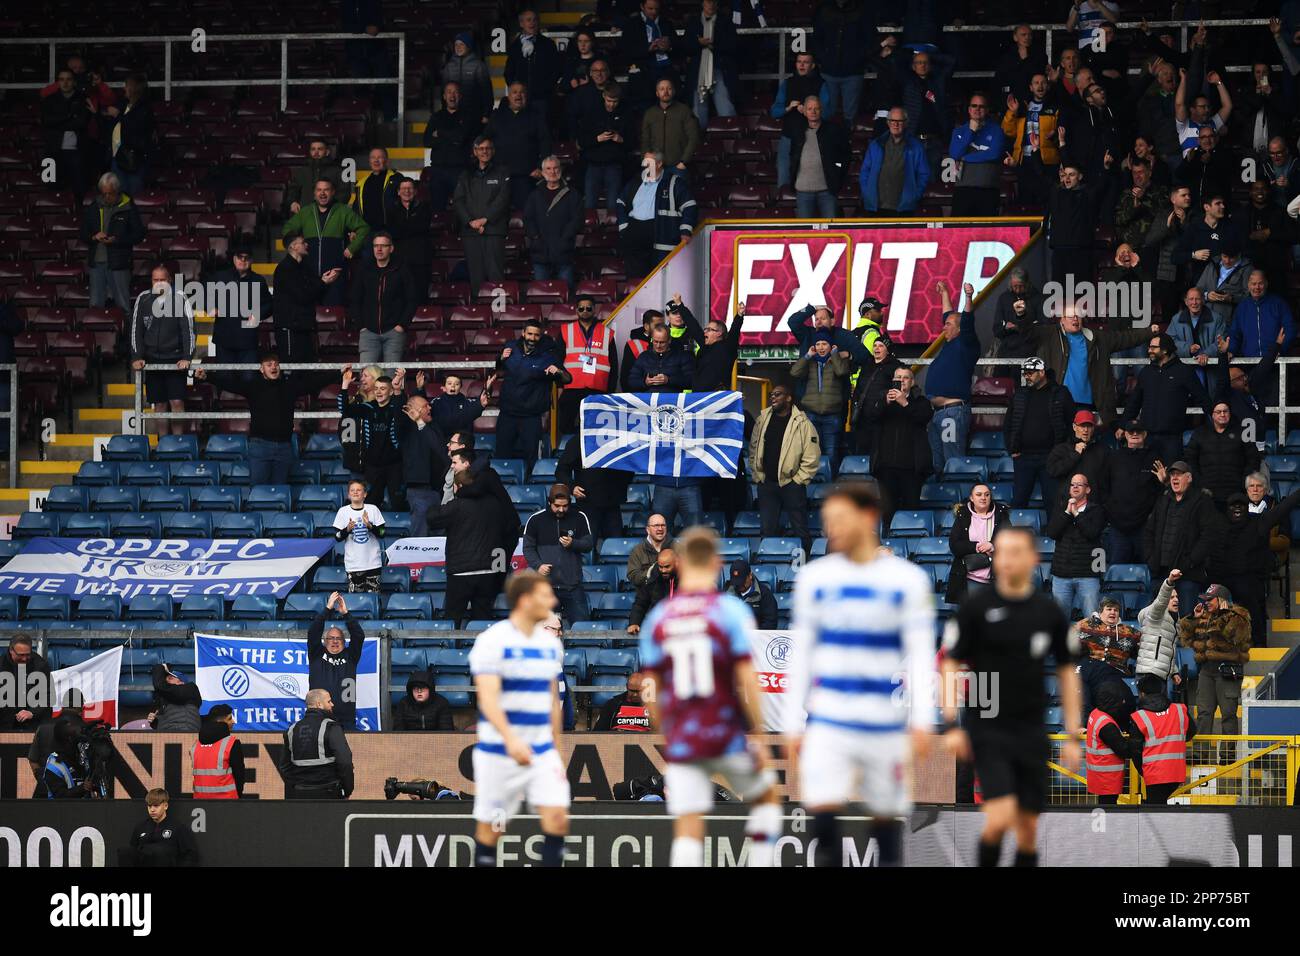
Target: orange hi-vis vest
212, 777
1164, 753
1105, 768
637, 346
587, 360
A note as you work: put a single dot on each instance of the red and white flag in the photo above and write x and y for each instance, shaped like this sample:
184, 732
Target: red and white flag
97, 679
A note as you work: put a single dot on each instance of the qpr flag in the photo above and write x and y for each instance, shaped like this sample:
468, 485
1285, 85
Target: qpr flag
680, 435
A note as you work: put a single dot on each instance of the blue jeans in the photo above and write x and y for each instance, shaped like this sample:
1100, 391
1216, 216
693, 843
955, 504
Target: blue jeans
606, 177
421, 501
1029, 469
947, 432
847, 87
269, 461
669, 501
543, 272
105, 282
830, 429
573, 605
1083, 593
818, 205
783, 161
1124, 547
721, 97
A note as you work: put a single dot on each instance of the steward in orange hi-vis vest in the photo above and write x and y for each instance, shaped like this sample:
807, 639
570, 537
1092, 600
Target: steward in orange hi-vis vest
1164, 746
1105, 768
213, 778
586, 356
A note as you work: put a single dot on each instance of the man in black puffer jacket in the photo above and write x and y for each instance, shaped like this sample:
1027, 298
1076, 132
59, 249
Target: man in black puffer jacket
1245, 561
1130, 469
422, 708
1038, 420
1072, 225
1080, 453
475, 565
1076, 524
1164, 391
1183, 531
1219, 457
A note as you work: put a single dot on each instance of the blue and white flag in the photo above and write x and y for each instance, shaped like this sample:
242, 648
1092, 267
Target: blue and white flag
265, 680
175, 567
677, 434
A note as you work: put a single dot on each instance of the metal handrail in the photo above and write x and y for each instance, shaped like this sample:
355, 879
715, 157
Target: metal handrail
283, 82
12, 415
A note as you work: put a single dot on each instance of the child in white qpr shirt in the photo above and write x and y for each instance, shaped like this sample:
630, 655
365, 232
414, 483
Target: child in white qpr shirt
361, 526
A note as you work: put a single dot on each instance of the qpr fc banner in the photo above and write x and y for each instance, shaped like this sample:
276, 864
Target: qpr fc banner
175, 567
265, 680
678, 435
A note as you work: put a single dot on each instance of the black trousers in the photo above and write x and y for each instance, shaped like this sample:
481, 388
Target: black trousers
568, 407
331, 792
295, 345
475, 591
1033, 182
605, 521
975, 201
901, 490
791, 498
637, 246
1160, 792
381, 478
1248, 591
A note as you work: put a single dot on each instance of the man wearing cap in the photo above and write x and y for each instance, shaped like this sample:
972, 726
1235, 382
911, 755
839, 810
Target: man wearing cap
1245, 387
948, 381
1076, 525
841, 338
1110, 648
871, 312
1182, 532
247, 302
1135, 482
1081, 453
1218, 632
753, 592
1039, 419
1164, 390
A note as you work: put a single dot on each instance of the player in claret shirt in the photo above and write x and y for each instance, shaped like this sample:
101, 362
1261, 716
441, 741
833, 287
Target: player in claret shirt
703, 693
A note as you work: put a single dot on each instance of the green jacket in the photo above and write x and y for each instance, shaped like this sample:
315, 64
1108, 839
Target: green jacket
824, 397
336, 223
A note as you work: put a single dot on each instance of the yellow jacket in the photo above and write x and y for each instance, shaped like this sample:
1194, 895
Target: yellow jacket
1014, 127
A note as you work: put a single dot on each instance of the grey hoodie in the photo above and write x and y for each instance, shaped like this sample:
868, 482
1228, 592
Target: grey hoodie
1159, 636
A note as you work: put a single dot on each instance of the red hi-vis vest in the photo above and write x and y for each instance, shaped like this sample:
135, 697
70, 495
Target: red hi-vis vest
1105, 768
587, 361
212, 777
1164, 754
637, 346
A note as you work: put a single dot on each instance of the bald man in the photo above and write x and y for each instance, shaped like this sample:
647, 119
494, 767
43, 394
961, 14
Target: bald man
627, 712
317, 763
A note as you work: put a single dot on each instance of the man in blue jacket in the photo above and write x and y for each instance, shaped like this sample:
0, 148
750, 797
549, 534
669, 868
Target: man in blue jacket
1258, 318
894, 170
948, 382
841, 338
530, 365
979, 148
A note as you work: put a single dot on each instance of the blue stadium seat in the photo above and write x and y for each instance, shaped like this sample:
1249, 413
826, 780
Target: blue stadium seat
235, 473
785, 578
733, 548
479, 625
165, 499
269, 498
823, 475
527, 496
1127, 577
320, 498
99, 607
941, 494
326, 580
364, 606
944, 520
640, 497
37, 524
485, 442
611, 605
1283, 466
543, 472
238, 526
1046, 549
763, 573
201, 607
817, 493
398, 524
600, 578
1028, 518
1003, 491
304, 473
194, 473
323, 446
511, 470
616, 550
912, 524
902, 547
940, 573
127, 448
97, 474
149, 607
1002, 469
86, 526
115, 498
8, 607
253, 607
289, 526
323, 522
575, 664
215, 499
334, 473
66, 499
778, 550
855, 466
966, 469
176, 448
396, 580
450, 667
187, 525
614, 661
409, 607
580, 626
930, 551
748, 524
142, 474
137, 525
226, 448
985, 442
404, 661
432, 579
303, 607
818, 548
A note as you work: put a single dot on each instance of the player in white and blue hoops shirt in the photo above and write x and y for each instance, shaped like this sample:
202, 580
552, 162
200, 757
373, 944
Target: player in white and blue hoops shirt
862, 669
516, 665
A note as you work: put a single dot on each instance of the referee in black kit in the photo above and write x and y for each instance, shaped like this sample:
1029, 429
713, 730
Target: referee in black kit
1001, 635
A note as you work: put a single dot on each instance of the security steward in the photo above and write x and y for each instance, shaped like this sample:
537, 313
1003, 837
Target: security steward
317, 762
871, 311
1165, 729
1106, 749
590, 357
218, 757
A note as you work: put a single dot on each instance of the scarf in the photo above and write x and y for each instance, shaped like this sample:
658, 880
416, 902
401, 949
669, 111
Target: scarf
706, 56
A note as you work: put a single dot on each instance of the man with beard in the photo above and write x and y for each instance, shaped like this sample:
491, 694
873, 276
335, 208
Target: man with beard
1038, 420
1165, 389
1136, 470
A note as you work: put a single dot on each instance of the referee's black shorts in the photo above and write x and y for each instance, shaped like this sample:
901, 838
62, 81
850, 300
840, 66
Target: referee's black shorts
1012, 761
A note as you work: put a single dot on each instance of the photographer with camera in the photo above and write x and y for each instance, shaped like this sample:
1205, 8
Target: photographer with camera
317, 762
901, 416
66, 775
177, 702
